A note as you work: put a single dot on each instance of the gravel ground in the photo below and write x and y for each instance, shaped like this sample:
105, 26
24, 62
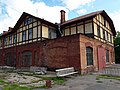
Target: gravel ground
87, 82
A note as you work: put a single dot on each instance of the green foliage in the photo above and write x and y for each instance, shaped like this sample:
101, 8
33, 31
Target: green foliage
109, 77
117, 47
15, 87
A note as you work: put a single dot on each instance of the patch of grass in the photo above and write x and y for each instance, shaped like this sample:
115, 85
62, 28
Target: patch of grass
42, 87
3, 82
23, 88
82, 75
97, 78
10, 87
109, 77
56, 80
15, 87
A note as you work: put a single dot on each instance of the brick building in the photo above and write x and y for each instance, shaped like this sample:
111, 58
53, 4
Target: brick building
85, 42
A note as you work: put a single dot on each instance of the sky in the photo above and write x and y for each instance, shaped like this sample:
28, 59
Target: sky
11, 10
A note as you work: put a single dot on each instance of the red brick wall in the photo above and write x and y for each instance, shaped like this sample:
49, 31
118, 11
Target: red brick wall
69, 51
57, 53
85, 42
63, 52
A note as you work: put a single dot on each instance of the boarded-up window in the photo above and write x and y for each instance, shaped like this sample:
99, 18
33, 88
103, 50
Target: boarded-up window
88, 28
44, 31
80, 29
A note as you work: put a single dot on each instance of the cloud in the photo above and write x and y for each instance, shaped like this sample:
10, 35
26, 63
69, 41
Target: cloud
74, 4
82, 11
14, 9
116, 19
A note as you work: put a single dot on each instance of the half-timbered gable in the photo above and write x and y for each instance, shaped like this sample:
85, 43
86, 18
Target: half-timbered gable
96, 25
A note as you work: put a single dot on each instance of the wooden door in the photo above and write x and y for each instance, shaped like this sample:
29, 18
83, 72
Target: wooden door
101, 58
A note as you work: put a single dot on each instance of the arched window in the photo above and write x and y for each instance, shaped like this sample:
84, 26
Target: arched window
89, 55
27, 58
10, 59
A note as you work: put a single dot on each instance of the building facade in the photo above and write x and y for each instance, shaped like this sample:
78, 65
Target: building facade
85, 42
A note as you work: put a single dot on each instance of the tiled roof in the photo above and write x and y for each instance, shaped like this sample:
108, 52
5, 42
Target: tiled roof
84, 17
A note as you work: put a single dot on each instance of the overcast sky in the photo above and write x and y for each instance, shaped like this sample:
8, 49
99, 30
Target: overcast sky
11, 10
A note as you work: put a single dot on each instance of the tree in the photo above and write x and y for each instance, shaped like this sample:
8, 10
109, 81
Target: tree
117, 47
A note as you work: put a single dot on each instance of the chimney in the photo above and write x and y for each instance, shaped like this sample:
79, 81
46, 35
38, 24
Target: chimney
4, 31
62, 16
10, 29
